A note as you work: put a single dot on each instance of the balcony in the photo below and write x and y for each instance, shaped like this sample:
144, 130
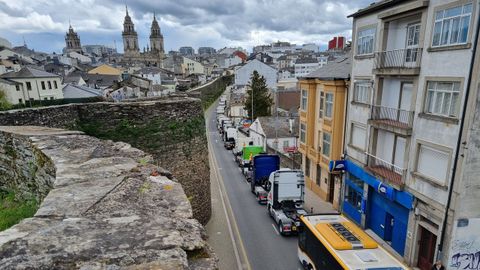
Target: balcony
391, 173
398, 62
393, 120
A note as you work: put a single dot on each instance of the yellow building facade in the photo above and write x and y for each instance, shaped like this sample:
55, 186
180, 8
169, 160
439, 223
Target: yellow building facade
322, 123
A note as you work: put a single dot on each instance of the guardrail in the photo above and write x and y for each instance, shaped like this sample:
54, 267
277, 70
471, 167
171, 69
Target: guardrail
386, 170
401, 58
392, 116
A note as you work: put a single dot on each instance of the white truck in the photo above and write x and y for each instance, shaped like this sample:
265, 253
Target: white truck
220, 110
230, 138
285, 199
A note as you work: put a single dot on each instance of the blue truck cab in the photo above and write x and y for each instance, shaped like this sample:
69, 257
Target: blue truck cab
263, 166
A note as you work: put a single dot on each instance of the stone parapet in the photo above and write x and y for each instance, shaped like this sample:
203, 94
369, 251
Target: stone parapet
104, 205
171, 129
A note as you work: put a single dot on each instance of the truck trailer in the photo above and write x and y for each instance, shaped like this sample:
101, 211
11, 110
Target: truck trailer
285, 199
263, 165
230, 138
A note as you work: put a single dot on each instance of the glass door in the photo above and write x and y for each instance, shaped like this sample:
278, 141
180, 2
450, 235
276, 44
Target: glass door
411, 50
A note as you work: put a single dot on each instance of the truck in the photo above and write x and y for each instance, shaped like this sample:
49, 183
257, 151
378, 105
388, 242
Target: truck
220, 110
285, 199
230, 138
248, 153
225, 123
263, 165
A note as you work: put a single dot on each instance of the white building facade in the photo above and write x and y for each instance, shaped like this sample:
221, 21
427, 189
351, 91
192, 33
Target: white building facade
32, 84
408, 88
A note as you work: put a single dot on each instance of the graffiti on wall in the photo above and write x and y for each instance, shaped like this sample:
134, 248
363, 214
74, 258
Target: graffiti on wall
466, 261
465, 247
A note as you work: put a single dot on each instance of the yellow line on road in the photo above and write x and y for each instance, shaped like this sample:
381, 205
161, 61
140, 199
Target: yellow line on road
226, 204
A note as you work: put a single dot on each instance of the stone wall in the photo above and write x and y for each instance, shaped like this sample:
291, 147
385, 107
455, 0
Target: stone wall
105, 206
172, 130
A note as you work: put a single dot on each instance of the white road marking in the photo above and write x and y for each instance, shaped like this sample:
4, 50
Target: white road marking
275, 228
240, 169
232, 224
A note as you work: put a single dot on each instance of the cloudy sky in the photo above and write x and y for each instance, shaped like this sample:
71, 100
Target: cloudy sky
215, 23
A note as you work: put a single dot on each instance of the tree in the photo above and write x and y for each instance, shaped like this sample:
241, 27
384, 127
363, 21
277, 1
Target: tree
262, 101
4, 104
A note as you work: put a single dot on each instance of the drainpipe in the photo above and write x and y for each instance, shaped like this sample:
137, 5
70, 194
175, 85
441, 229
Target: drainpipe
459, 140
342, 186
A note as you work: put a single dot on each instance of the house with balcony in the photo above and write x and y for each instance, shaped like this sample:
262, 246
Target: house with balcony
409, 78
322, 122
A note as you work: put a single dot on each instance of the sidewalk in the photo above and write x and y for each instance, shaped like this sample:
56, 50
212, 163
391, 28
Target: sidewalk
312, 201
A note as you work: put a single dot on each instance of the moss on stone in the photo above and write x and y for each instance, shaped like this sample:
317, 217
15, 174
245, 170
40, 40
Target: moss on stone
13, 209
153, 135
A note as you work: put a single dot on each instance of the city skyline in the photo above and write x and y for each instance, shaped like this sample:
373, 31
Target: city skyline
214, 24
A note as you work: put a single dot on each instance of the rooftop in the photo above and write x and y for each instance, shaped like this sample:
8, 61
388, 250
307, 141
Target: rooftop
375, 6
336, 70
28, 72
278, 126
306, 61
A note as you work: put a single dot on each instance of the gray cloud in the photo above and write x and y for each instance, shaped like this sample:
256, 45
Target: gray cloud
225, 22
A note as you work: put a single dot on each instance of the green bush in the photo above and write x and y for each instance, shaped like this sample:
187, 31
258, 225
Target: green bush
4, 104
13, 210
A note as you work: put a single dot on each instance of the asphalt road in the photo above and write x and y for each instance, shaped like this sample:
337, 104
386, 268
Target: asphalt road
259, 238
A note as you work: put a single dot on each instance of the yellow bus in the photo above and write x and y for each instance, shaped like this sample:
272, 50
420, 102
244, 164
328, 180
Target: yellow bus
332, 242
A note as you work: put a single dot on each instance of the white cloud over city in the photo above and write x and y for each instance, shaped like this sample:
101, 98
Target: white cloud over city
215, 23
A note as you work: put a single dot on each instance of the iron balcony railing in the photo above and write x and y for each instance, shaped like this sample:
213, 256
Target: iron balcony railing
401, 58
390, 172
392, 116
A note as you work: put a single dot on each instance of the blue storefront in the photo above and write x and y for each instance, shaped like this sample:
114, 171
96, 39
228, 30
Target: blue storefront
385, 208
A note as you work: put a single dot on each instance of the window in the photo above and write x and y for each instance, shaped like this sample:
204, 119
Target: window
285, 144
17, 87
307, 167
358, 136
443, 98
302, 132
29, 86
55, 84
329, 105
353, 197
433, 163
452, 25
49, 85
322, 100
43, 85
51, 98
304, 100
361, 92
365, 41
319, 175
327, 140
354, 191
20, 101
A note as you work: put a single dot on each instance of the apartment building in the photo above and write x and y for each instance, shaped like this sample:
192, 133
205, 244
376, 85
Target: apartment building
410, 75
322, 121
29, 84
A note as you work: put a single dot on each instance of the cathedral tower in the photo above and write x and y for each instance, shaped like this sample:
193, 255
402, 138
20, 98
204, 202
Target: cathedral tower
130, 38
156, 38
72, 41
